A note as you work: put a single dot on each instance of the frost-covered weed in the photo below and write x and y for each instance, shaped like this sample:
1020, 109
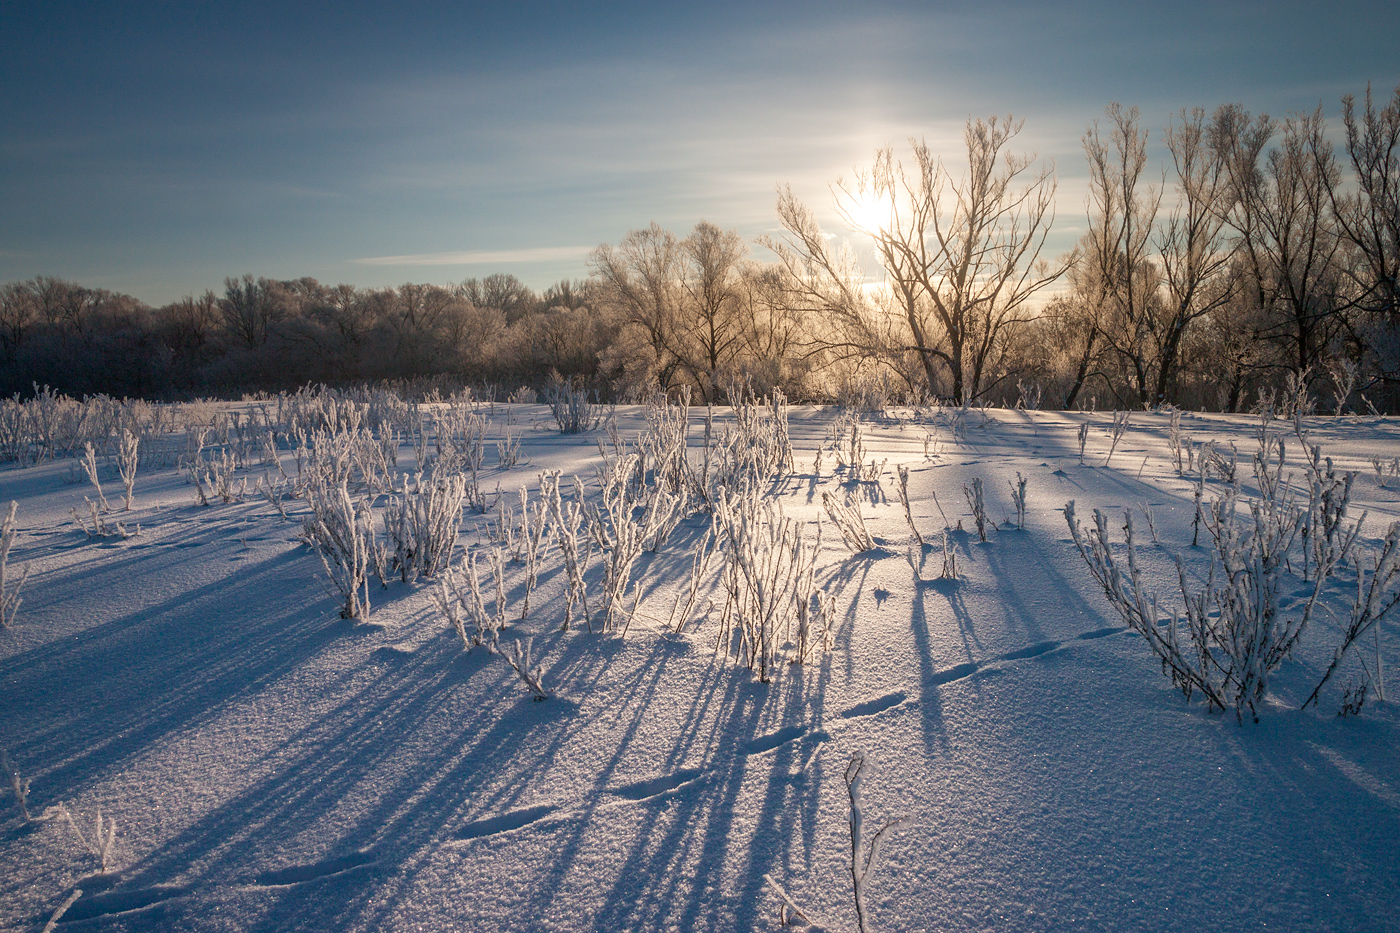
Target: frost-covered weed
508, 449
103, 841
19, 786
89, 463
1327, 536
768, 580
749, 454
973, 493
1385, 470
903, 474
568, 519
848, 443
217, 474
1151, 521
534, 521
620, 536
864, 860
1116, 432
128, 457
1018, 497
1177, 440
686, 600
569, 405
1376, 595
518, 656
9, 586
950, 558
849, 521
341, 529
421, 520
273, 492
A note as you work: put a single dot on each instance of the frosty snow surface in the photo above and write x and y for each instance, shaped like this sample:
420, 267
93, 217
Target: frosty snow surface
269, 765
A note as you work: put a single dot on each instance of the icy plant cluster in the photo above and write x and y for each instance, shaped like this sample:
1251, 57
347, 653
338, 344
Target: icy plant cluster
1233, 627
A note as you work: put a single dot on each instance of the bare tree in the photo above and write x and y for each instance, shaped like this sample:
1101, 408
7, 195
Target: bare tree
1074, 323
249, 310
1196, 259
711, 282
1278, 205
684, 298
822, 291
503, 292
960, 257
1118, 245
18, 314
640, 281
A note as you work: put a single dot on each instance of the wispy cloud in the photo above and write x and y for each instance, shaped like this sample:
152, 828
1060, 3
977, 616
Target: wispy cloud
480, 257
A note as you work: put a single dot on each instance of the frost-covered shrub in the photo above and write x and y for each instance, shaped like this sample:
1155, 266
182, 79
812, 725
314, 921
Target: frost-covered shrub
1234, 634
452, 600
421, 521
1233, 630
569, 405
341, 529
768, 580
849, 521
568, 519
622, 544
748, 455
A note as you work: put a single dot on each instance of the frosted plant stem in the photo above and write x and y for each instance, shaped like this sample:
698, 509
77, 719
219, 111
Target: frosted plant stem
89, 463
62, 909
9, 591
864, 864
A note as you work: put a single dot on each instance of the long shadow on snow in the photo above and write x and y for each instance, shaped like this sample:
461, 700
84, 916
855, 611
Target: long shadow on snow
657, 886
358, 752
123, 686
850, 578
720, 681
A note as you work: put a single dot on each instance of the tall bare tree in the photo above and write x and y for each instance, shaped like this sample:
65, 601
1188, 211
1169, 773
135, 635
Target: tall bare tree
1195, 255
684, 297
1279, 206
1369, 217
1122, 215
960, 257
711, 279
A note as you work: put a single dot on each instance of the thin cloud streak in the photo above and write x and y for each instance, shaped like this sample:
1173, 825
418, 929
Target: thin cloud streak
480, 257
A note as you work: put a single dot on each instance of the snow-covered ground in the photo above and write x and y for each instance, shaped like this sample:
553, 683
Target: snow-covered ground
273, 767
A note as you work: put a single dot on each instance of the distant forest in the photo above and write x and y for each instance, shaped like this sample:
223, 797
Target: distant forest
1259, 262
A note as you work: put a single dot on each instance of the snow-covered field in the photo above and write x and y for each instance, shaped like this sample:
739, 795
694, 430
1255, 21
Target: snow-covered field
271, 766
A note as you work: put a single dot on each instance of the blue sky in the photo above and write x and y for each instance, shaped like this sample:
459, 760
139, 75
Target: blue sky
157, 148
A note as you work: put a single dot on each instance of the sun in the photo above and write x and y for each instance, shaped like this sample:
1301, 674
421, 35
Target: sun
872, 211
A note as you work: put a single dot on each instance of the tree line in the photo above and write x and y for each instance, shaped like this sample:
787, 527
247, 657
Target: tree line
1259, 258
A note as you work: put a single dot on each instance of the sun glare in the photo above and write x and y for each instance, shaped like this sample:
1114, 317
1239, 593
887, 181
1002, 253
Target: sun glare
872, 212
